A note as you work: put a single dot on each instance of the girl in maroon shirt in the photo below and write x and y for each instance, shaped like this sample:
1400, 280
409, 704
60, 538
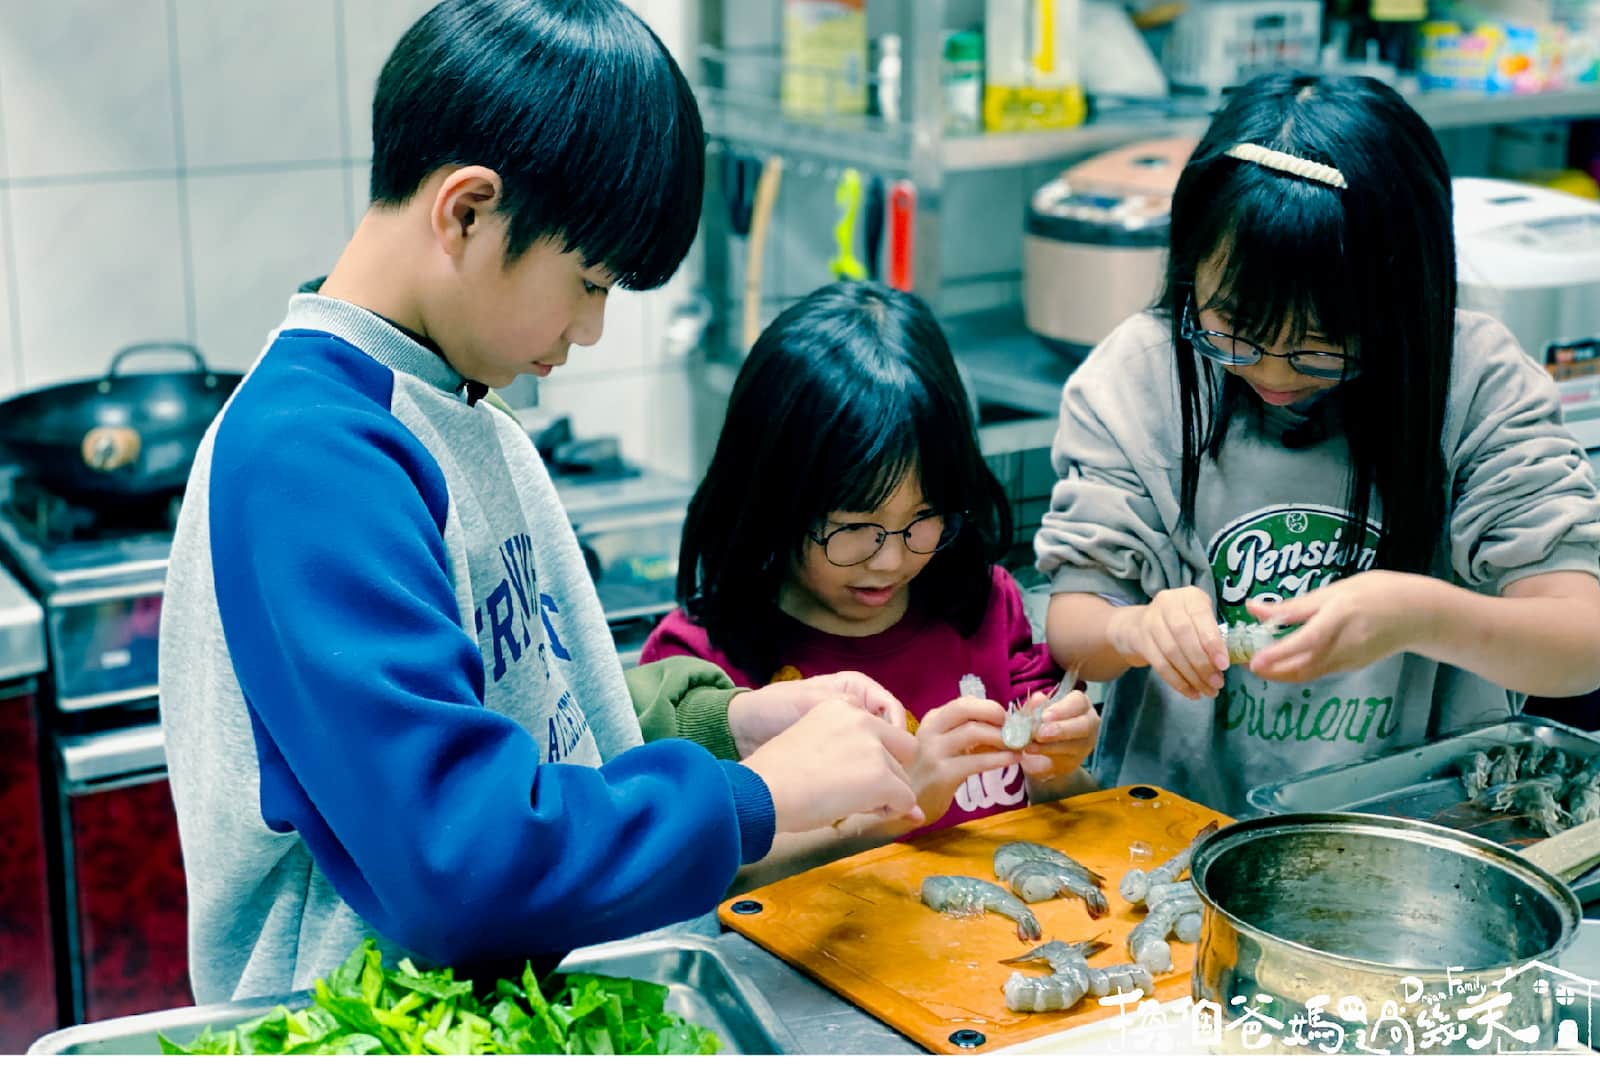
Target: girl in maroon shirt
848, 522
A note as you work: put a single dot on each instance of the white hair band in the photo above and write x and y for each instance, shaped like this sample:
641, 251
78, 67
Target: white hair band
1288, 164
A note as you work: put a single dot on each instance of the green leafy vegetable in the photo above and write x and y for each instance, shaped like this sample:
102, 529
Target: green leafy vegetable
364, 1008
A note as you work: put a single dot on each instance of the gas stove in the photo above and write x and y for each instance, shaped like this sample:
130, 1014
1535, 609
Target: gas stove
62, 547
99, 574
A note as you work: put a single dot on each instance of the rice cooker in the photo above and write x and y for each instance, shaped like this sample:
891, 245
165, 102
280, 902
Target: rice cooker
1094, 249
1530, 256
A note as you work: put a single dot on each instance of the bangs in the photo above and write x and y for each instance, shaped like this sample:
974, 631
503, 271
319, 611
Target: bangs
575, 104
876, 444
631, 161
1284, 265
625, 158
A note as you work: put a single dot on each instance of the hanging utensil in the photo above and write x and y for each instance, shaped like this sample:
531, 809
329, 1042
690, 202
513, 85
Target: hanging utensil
847, 196
741, 172
760, 223
902, 218
875, 210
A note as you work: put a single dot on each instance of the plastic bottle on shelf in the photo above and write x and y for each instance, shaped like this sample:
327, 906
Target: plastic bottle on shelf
963, 82
889, 77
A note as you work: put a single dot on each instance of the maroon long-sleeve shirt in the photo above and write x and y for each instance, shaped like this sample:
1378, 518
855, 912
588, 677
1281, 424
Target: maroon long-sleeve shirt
920, 660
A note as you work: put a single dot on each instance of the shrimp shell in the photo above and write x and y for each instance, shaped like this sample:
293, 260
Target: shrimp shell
1245, 639
1474, 770
1585, 806
1504, 761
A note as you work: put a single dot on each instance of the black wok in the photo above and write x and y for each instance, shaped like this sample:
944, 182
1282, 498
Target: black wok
120, 438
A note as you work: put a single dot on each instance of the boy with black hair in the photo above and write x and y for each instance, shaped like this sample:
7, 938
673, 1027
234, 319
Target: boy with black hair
391, 702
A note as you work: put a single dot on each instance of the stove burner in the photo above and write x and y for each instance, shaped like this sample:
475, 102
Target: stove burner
50, 520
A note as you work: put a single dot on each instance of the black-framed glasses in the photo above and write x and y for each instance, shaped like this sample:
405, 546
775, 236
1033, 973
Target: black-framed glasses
1233, 351
857, 542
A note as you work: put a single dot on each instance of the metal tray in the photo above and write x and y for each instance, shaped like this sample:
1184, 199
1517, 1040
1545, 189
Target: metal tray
1420, 783
703, 989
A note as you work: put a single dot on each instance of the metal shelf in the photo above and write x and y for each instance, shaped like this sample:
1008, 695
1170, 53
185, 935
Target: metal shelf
1007, 364
874, 145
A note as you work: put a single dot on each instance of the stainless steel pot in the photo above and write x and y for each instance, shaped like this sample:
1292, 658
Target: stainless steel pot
1347, 932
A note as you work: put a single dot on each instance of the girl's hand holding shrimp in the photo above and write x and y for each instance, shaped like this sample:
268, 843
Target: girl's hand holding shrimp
1345, 625
954, 742
1066, 736
1177, 636
757, 716
838, 760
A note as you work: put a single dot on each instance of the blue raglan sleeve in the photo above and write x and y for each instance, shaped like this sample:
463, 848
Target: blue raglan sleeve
431, 815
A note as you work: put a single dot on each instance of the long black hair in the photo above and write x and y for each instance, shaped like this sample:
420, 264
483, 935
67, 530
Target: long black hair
845, 394
1371, 267
578, 107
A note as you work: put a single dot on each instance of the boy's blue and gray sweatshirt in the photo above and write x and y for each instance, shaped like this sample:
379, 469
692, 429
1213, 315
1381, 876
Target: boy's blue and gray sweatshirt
392, 705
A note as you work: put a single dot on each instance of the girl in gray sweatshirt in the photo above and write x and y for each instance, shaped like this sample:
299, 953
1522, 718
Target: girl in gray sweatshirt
1306, 433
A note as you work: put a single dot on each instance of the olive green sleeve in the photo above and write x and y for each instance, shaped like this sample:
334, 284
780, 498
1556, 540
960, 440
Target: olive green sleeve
681, 696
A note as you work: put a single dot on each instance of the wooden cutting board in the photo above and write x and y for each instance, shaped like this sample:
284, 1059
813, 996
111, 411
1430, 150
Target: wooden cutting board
859, 926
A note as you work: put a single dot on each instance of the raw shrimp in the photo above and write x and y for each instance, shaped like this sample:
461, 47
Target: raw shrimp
1121, 978
972, 686
1136, 883
1021, 725
1147, 942
1060, 955
1245, 639
962, 897
1187, 928
1048, 992
1014, 853
1474, 770
1158, 894
1150, 950
1035, 881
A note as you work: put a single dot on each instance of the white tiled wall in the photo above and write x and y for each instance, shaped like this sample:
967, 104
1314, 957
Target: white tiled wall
173, 169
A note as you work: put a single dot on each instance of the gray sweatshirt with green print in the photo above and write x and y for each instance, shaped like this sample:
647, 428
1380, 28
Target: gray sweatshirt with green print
1270, 522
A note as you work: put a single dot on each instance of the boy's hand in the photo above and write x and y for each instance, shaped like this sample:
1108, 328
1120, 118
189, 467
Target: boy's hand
954, 742
1177, 636
756, 717
1064, 739
838, 760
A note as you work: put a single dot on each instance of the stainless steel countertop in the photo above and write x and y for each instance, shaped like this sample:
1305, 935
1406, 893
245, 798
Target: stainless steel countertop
821, 1023
818, 1021
21, 632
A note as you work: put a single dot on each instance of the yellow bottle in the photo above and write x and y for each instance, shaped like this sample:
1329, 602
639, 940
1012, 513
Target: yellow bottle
1031, 70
